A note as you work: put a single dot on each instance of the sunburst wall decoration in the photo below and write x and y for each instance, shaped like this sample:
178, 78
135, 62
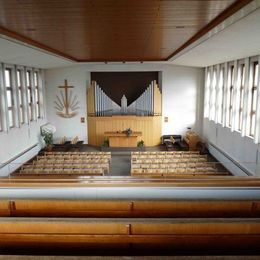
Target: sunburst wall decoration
66, 103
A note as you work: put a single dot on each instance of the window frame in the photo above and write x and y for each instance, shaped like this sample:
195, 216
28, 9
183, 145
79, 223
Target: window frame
254, 68
30, 94
213, 93
21, 92
37, 89
241, 88
230, 94
207, 92
12, 89
221, 94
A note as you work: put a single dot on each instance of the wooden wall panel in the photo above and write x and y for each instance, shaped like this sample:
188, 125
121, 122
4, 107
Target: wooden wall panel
91, 100
149, 126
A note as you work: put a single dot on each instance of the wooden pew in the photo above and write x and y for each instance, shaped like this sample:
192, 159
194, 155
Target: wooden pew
117, 181
4, 208
128, 208
184, 234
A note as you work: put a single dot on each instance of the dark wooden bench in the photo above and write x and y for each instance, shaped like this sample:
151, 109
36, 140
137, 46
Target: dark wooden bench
184, 234
129, 208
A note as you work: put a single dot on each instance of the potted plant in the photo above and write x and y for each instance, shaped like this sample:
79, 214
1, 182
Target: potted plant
48, 139
140, 144
105, 145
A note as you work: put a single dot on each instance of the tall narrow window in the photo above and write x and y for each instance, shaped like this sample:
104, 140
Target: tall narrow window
37, 93
213, 95
207, 94
1, 118
241, 96
10, 96
221, 96
253, 99
230, 96
29, 94
20, 95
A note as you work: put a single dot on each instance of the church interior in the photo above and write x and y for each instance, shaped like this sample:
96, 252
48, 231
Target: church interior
130, 128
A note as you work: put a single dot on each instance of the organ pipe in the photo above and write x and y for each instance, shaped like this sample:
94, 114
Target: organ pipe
142, 106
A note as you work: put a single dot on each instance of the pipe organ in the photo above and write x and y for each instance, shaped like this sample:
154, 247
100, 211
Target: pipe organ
142, 115
145, 105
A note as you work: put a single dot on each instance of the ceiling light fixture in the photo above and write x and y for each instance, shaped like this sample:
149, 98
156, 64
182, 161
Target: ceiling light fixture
31, 29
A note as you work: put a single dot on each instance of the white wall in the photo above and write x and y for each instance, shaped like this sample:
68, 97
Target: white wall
79, 79
182, 99
16, 141
181, 93
241, 149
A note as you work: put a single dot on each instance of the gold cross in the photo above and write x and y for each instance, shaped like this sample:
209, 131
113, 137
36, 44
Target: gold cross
66, 87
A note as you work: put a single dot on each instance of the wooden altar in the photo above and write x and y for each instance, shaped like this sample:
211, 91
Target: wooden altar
120, 139
150, 127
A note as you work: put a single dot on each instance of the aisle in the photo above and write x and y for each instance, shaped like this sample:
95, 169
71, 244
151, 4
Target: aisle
120, 164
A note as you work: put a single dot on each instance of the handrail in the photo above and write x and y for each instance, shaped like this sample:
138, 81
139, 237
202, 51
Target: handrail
2, 165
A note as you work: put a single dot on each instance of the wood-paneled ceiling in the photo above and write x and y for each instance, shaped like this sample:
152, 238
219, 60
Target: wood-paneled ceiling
113, 30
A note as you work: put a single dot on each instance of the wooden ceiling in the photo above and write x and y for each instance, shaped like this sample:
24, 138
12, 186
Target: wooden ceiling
113, 30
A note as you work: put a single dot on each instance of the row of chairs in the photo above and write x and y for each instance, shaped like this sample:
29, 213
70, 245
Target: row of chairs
63, 167
172, 172
87, 163
173, 160
60, 171
44, 160
75, 157
190, 162
193, 165
164, 152
168, 156
77, 153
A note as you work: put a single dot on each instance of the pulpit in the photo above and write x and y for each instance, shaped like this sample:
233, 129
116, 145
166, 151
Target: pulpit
191, 138
120, 139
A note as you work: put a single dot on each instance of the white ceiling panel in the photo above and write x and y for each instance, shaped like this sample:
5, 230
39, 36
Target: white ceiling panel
20, 54
239, 40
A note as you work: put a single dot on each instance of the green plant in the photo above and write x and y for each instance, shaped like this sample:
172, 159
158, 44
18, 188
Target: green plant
140, 143
48, 138
106, 143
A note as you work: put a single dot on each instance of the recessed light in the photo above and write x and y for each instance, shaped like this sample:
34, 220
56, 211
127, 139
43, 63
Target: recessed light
31, 29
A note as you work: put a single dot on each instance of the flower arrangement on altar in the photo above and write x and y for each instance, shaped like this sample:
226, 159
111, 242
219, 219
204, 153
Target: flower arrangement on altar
128, 131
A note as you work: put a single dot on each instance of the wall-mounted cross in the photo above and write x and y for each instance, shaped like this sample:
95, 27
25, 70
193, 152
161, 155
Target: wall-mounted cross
66, 87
